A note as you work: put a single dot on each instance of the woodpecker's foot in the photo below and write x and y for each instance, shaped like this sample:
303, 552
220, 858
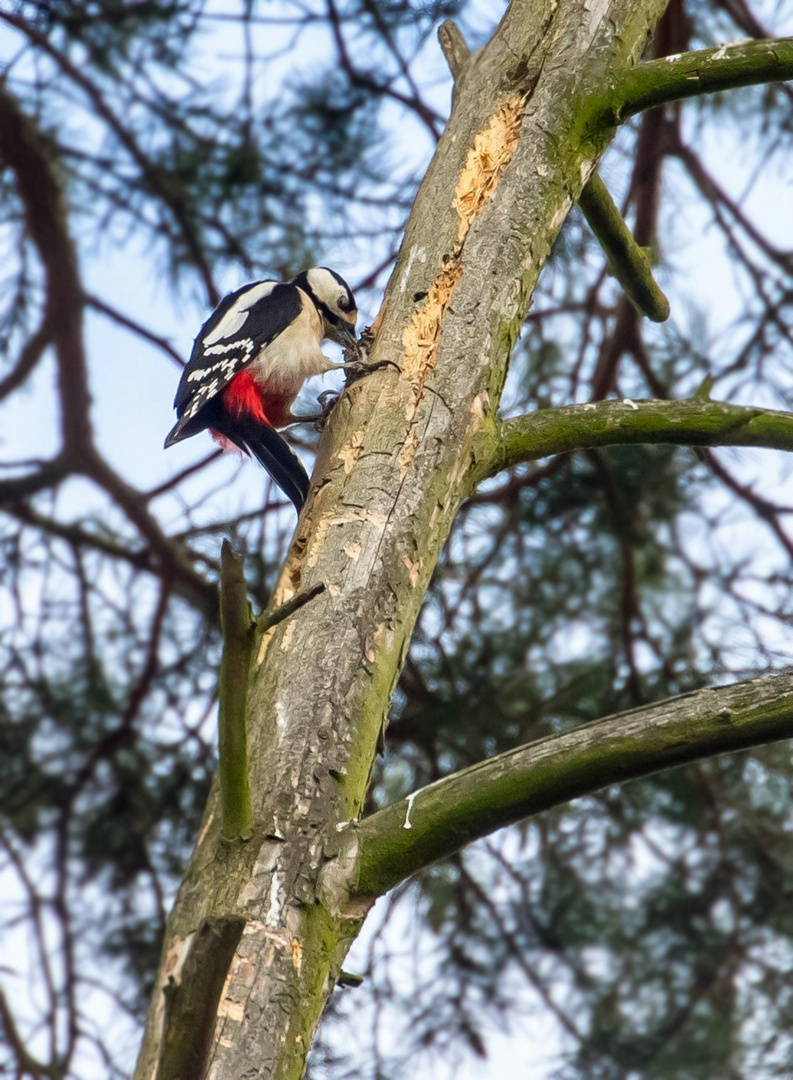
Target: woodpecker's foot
327, 400
356, 369
355, 353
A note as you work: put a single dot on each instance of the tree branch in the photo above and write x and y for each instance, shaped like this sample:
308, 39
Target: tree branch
438, 820
171, 559
121, 319
238, 630
26, 1064
690, 74
627, 260
25, 153
192, 1000
154, 177
269, 619
693, 422
48, 474
454, 47
29, 357
78, 536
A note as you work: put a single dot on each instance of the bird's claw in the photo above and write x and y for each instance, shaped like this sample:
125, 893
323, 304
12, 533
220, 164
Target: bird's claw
327, 400
358, 368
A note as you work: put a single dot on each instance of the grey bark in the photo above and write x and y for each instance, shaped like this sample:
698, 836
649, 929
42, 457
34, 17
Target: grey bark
398, 457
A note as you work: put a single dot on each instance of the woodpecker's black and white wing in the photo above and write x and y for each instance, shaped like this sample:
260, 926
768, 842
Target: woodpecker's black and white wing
244, 323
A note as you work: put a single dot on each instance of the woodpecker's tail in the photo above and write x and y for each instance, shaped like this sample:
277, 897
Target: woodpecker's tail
273, 451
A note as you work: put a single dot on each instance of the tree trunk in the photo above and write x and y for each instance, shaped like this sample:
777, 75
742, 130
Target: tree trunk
399, 455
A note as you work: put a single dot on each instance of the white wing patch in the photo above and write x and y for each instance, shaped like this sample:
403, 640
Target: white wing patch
234, 319
225, 367
218, 375
217, 350
231, 322
201, 398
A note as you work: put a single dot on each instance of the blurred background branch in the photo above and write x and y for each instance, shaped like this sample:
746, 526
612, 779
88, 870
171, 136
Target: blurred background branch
155, 155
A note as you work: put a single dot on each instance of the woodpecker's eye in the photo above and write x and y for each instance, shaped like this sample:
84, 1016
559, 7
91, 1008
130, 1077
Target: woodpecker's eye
345, 302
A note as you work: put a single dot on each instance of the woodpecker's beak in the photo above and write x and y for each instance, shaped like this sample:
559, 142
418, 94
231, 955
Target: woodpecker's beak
345, 336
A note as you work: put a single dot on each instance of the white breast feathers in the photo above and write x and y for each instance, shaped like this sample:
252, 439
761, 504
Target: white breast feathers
295, 355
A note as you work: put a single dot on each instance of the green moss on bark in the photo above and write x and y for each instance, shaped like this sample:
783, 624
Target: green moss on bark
322, 947
403, 838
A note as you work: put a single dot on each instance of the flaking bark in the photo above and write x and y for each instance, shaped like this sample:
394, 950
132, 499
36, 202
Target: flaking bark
236, 623
401, 451
191, 1003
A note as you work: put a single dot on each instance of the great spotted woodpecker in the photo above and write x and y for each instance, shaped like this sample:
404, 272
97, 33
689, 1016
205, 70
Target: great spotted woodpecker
251, 358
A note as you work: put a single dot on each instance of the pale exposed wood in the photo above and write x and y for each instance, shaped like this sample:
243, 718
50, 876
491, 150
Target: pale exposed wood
393, 466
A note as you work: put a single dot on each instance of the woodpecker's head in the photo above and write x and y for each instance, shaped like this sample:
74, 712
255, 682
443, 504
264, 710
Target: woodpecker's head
333, 299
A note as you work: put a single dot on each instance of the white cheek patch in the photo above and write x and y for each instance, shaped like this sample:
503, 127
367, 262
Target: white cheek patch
323, 284
327, 288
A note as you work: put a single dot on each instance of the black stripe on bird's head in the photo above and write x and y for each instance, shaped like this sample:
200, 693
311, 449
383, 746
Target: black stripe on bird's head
333, 299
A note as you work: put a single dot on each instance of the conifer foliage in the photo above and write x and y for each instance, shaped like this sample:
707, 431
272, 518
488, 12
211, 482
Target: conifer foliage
154, 155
